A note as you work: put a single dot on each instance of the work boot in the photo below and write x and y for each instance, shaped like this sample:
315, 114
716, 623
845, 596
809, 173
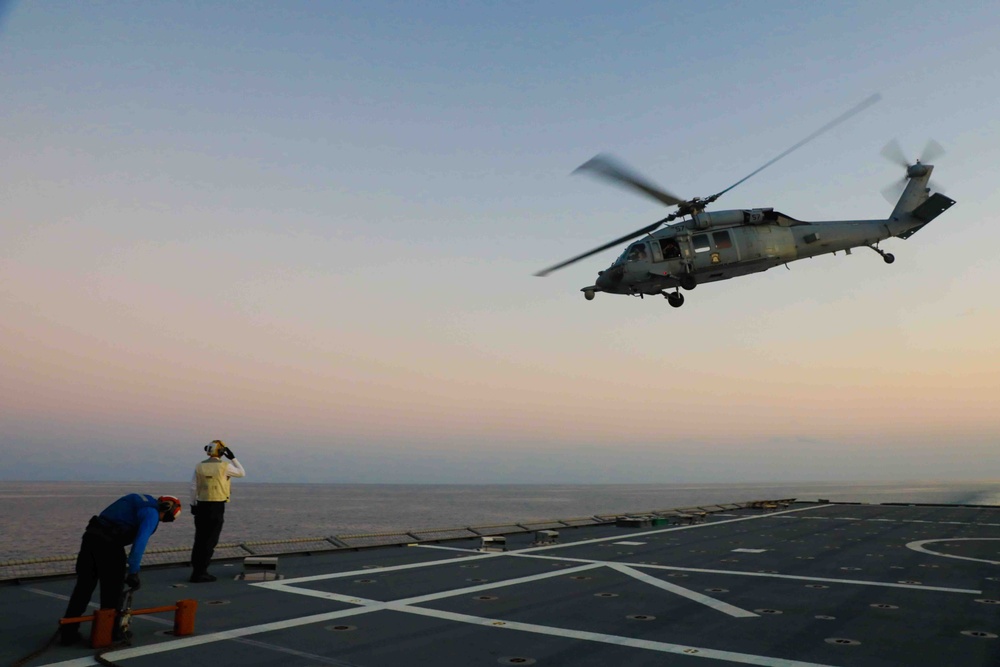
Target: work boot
202, 578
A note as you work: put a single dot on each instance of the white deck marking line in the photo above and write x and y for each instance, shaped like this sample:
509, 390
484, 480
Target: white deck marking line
406, 606
251, 642
919, 546
312, 657
444, 548
497, 584
706, 600
660, 531
58, 596
850, 518
368, 606
368, 572
480, 555
198, 640
162, 621
568, 559
324, 595
766, 575
617, 640
430, 597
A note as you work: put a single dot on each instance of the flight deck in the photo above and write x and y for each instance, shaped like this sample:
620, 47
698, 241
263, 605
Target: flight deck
782, 585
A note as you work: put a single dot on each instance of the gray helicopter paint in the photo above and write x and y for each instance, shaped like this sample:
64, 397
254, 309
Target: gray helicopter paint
759, 239
762, 239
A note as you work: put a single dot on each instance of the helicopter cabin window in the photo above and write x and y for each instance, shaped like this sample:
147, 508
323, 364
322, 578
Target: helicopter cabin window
700, 242
637, 253
722, 240
670, 249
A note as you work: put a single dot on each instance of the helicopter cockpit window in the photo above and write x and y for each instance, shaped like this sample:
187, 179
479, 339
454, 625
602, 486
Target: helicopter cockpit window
637, 253
700, 242
670, 248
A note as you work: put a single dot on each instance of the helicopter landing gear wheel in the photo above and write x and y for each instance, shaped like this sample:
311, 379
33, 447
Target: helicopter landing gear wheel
887, 257
675, 299
688, 281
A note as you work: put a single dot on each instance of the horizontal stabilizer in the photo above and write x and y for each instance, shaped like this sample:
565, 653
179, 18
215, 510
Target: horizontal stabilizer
935, 205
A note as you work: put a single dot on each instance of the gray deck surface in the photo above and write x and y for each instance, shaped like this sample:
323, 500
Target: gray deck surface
815, 584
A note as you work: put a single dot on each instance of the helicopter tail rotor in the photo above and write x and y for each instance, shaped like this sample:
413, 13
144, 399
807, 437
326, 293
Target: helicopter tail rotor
893, 152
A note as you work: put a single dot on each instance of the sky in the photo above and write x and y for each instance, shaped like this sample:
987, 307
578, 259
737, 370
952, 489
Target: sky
310, 230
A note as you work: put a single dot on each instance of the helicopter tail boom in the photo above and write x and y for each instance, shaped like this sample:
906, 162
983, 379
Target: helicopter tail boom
915, 193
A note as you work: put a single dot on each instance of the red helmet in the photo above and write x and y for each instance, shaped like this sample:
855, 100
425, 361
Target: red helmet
169, 507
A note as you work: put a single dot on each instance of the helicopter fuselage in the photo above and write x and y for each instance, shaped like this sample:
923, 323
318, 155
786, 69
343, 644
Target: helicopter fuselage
720, 245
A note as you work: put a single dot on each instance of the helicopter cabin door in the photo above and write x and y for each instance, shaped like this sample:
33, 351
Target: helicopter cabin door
714, 249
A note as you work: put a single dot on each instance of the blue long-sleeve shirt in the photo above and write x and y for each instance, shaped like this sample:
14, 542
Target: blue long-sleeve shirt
139, 517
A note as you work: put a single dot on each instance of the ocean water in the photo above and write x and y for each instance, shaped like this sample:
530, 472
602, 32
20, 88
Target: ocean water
47, 518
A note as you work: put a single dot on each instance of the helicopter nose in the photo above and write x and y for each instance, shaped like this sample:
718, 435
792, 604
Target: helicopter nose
607, 280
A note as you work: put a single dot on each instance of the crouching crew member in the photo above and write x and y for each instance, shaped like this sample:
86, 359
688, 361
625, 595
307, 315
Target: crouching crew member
209, 495
131, 519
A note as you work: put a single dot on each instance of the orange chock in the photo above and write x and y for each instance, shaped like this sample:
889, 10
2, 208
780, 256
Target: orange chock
102, 628
184, 617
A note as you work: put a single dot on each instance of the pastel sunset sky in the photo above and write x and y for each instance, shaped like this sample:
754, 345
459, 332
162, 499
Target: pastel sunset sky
310, 229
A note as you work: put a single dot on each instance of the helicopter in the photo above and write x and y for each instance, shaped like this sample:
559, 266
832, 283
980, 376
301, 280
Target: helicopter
705, 247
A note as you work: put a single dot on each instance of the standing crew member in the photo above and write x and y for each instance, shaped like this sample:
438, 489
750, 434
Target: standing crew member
129, 520
209, 495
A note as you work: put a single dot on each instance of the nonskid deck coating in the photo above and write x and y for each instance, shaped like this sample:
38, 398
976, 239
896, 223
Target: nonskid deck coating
813, 585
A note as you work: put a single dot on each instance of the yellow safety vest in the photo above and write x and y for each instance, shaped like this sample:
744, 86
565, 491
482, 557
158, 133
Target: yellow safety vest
213, 482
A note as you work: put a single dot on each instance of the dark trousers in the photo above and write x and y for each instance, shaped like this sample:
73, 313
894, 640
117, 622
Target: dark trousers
99, 561
207, 528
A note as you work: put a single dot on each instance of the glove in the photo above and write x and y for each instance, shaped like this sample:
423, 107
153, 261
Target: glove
228, 453
194, 510
132, 582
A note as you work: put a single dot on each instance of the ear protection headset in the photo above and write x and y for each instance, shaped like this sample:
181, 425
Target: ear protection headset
215, 448
169, 507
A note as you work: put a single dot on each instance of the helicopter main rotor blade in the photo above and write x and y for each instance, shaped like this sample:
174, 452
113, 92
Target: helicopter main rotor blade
611, 169
853, 111
628, 237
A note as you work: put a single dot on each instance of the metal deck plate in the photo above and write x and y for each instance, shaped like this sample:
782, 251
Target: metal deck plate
823, 584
